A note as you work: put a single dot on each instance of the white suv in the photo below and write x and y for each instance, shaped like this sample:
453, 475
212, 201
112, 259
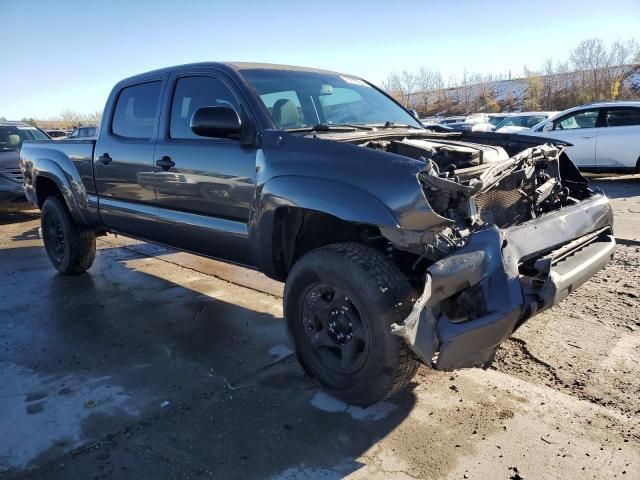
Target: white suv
605, 135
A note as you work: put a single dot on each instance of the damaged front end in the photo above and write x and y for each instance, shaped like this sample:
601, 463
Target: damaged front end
524, 232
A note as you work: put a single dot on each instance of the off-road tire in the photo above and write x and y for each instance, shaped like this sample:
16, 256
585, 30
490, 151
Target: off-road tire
382, 296
79, 245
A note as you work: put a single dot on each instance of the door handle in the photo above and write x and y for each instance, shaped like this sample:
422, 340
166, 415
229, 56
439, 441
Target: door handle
587, 136
105, 158
165, 163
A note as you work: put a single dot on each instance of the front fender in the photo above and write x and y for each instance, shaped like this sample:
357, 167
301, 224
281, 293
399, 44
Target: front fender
342, 200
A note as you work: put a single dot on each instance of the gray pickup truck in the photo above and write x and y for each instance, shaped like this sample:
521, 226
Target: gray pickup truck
398, 244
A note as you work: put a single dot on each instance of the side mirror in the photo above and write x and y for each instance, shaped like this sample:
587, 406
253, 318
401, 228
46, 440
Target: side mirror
414, 114
547, 127
216, 122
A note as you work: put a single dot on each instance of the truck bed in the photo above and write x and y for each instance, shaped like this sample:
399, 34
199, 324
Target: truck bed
73, 157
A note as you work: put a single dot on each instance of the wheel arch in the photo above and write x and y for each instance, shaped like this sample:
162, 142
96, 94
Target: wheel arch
343, 210
50, 178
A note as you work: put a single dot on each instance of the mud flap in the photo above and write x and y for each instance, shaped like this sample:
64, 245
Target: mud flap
485, 266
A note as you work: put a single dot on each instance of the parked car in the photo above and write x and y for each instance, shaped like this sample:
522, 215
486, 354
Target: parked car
476, 122
604, 136
521, 121
323, 181
84, 133
436, 127
57, 134
12, 135
496, 118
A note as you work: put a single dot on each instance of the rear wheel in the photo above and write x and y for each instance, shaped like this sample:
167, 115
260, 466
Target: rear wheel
70, 249
340, 302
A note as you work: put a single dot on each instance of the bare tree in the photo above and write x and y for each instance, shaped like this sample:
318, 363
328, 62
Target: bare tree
535, 89
393, 86
408, 83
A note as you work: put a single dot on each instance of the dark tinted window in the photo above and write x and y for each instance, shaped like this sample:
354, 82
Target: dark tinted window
136, 111
192, 93
623, 117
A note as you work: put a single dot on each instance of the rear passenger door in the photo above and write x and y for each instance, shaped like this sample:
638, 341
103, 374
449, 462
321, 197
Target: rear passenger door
124, 159
205, 186
619, 139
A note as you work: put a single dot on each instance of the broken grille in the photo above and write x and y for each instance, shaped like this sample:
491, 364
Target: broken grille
503, 206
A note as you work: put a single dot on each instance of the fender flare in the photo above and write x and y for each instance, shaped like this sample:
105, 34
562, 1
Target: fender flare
64, 174
344, 201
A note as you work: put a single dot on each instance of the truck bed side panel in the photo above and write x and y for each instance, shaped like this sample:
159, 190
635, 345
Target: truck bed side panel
69, 164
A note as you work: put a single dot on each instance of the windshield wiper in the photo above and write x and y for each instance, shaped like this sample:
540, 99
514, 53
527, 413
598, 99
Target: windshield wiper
332, 127
390, 124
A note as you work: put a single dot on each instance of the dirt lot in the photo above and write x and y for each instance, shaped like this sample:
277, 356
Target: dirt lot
159, 364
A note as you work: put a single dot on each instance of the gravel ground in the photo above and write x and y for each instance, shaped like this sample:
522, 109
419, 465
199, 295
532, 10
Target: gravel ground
159, 364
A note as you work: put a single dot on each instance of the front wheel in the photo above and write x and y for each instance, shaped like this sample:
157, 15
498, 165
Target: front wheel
340, 302
70, 249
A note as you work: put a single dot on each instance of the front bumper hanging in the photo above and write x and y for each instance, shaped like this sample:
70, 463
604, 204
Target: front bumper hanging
474, 299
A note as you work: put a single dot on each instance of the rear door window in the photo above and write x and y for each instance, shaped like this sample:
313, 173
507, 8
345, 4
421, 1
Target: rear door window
192, 93
136, 112
622, 117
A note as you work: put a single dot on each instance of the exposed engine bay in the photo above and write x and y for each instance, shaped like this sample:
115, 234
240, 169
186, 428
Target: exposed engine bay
520, 230
476, 184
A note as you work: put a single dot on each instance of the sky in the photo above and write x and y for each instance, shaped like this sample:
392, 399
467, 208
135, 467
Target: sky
68, 54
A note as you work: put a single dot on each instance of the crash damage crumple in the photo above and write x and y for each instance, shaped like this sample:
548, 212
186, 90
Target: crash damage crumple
482, 263
474, 298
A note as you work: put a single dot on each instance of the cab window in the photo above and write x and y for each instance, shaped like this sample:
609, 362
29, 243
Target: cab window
136, 111
192, 93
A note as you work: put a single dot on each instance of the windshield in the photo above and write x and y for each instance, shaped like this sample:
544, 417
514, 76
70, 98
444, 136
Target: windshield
11, 137
526, 121
495, 120
298, 99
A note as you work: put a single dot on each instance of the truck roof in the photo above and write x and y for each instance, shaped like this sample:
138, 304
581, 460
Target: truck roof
228, 66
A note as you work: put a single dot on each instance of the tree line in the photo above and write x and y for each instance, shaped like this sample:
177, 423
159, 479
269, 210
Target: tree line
593, 71
66, 120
